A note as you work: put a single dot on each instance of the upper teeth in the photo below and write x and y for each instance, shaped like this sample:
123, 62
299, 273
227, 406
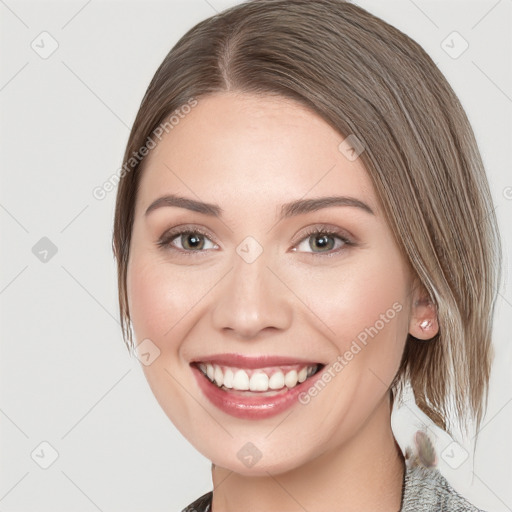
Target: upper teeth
255, 380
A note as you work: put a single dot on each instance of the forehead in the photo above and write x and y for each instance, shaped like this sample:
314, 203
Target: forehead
236, 148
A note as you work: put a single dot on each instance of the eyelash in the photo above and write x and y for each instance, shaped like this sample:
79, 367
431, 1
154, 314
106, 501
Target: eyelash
166, 239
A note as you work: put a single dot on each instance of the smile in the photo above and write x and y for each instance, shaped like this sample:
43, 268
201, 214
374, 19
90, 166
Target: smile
254, 393
259, 380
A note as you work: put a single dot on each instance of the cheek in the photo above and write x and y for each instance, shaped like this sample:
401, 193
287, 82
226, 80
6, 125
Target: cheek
157, 299
362, 302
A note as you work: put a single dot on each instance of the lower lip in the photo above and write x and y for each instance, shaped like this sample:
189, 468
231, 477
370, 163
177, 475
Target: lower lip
251, 406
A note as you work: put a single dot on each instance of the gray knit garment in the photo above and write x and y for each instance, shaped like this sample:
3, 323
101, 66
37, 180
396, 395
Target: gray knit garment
424, 490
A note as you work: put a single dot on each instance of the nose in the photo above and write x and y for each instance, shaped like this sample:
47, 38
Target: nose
252, 298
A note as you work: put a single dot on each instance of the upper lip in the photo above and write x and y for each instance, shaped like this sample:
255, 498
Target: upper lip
241, 361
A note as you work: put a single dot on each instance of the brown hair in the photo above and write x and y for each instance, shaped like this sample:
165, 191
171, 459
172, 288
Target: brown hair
368, 79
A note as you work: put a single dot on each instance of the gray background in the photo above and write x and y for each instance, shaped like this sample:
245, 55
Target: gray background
66, 378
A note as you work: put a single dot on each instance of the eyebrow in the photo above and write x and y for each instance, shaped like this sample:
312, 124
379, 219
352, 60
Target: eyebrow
298, 207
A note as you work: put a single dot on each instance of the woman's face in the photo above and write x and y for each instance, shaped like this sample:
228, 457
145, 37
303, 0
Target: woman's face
254, 281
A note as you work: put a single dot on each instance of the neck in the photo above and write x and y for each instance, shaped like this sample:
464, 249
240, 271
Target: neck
365, 473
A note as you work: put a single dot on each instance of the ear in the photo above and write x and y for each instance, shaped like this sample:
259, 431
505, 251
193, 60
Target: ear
423, 323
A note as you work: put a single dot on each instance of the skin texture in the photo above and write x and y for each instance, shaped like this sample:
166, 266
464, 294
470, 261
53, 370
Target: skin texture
251, 154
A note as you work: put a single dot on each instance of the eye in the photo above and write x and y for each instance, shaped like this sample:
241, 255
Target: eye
329, 241
189, 240
193, 241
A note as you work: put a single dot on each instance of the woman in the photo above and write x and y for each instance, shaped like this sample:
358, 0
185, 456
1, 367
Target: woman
303, 228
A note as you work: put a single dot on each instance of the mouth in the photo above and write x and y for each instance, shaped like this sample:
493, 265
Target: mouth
254, 388
264, 381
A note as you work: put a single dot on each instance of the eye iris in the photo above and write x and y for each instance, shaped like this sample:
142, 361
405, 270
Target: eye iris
195, 238
323, 242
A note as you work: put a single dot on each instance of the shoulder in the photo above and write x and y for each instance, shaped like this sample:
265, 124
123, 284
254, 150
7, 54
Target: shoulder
426, 490
202, 504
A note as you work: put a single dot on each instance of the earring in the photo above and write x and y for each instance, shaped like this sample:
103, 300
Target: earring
426, 324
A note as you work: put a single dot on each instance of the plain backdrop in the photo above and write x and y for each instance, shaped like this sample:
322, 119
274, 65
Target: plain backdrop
80, 428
